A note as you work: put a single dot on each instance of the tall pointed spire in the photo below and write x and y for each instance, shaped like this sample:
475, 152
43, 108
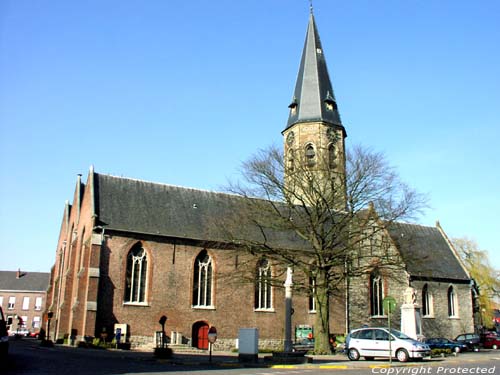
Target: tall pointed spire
313, 99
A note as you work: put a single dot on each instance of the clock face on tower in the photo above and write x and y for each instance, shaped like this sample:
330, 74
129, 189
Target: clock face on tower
290, 138
332, 135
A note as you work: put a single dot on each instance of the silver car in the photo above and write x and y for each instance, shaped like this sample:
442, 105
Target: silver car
374, 342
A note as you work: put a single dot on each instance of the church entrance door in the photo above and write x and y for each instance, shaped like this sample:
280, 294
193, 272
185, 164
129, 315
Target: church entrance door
200, 335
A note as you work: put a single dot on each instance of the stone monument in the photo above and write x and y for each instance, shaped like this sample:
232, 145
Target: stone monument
411, 324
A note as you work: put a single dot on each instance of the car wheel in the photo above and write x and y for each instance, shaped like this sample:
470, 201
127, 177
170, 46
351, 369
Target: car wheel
353, 354
369, 358
402, 355
456, 349
495, 346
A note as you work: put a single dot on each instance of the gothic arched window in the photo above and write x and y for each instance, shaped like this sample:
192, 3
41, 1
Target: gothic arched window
427, 303
376, 294
452, 302
202, 280
310, 154
136, 275
312, 294
263, 288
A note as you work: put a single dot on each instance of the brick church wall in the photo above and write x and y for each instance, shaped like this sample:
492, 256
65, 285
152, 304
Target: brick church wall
169, 292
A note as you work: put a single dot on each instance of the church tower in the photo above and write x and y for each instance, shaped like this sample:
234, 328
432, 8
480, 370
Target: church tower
314, 135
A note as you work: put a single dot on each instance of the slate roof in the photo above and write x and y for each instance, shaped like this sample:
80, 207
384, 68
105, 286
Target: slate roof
130, 205
426, 252
313, 89
29, 281
136, 206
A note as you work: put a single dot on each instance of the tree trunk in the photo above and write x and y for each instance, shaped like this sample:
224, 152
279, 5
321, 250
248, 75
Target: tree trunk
322, 323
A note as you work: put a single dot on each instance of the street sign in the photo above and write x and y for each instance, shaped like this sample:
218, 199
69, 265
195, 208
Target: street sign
389, 304
212, 334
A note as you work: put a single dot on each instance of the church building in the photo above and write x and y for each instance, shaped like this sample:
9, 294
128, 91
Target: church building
131, 251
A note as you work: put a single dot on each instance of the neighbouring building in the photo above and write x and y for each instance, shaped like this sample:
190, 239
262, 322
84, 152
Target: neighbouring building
130, 251
22, 297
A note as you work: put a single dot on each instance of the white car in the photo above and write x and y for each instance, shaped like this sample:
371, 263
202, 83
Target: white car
374, 342
19, 332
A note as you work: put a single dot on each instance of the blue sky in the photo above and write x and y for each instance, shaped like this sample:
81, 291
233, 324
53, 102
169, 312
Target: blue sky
181, 92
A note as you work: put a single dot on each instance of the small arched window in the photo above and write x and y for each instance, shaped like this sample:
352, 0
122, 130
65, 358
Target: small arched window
263, 288
202, 280
136, 275
452, 302
376, 294
427, 303
332, 156
310, 154
291, 161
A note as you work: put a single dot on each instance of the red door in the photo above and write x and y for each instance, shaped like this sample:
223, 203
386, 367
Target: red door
203, 337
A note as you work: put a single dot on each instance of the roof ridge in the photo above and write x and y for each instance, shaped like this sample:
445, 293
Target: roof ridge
414, 224
169, 185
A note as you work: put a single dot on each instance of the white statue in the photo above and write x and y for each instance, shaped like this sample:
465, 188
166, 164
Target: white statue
410, 296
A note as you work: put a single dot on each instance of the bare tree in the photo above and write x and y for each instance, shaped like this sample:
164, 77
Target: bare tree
327, 219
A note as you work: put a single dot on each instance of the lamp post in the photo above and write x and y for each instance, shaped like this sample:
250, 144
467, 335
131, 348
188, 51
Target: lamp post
288, 310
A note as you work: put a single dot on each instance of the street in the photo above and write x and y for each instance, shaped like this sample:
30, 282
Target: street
26, 356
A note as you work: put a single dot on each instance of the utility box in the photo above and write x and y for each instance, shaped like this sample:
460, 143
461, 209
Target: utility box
248, 344
121, 331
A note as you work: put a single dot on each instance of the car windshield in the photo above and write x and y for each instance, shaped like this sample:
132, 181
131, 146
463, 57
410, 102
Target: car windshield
400, 335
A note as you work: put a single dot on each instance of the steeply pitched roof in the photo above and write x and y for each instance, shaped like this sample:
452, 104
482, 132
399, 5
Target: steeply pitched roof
130, 205
137, 206
426, 252
29, 281
313, 89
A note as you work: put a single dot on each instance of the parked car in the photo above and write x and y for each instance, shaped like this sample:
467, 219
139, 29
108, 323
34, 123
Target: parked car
34, 334
4, 336
490, 340
375, 342
472, 341
442, 343
19, 332
303, 345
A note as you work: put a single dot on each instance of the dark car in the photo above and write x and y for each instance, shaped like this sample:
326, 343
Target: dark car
4, 336
490, 340
442, 343
472, 341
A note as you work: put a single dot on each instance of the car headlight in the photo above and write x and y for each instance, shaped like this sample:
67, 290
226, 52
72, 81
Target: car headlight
420, 347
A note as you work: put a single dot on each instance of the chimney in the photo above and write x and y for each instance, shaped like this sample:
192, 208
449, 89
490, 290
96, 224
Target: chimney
18, 273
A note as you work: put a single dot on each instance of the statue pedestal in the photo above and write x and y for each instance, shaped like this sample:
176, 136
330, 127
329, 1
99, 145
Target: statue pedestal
411, 324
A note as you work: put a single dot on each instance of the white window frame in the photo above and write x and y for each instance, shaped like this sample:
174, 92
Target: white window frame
312, 295
26, 303
264, 289
377, 295
452, 300
203, 299
38, 303
137, 295
427, 302
12, 303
